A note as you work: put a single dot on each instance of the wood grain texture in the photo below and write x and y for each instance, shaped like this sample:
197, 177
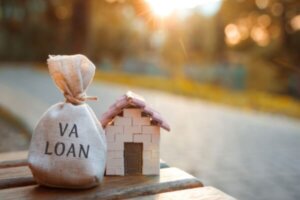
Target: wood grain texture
13, 159
15, 177
12, 174
203, 193
19, 158
113, 187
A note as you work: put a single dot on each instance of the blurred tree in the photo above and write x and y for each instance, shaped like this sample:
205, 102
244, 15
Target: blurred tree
80, 25
203, 38
173, 50
114, 30
263, 36
261, 29
32, 29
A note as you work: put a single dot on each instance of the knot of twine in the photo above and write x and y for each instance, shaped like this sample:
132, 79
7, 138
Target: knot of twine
78, 99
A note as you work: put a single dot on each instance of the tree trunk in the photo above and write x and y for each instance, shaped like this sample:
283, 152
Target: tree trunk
79, 26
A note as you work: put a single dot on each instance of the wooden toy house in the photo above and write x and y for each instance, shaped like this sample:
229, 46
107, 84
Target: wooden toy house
132, 131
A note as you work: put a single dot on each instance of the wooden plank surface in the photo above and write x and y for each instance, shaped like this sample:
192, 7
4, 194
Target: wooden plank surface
16, 182
203, 193
19, 158
13, 159
113, 187
15, 177
12, 174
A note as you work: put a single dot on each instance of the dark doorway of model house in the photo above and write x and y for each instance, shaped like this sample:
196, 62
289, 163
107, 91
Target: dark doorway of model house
133, 158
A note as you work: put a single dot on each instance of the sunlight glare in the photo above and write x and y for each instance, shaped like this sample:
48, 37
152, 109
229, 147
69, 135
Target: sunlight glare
232, 34
163, 8
295, 23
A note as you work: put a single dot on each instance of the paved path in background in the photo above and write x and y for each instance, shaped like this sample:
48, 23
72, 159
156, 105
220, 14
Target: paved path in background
247, 155
12, 138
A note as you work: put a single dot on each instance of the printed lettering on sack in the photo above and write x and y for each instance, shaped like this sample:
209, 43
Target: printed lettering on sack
68, 150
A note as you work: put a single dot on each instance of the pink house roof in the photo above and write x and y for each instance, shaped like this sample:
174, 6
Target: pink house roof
131, 99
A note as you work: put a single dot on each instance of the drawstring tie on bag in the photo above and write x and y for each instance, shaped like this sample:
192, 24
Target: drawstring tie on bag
72, 75
79, 99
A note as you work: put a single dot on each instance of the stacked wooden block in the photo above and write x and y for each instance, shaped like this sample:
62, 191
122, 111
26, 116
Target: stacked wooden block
132, 127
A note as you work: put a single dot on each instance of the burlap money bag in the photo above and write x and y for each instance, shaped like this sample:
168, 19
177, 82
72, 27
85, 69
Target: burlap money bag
68, 147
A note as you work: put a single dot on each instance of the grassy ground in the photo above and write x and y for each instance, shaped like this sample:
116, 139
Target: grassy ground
248, 100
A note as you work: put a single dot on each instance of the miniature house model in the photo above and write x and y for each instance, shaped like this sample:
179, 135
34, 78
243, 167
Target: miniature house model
132, 131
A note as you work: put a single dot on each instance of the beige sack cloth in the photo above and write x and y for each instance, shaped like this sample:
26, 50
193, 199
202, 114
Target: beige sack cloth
68, 147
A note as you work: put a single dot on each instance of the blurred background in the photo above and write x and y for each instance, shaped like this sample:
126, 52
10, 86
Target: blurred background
224, 73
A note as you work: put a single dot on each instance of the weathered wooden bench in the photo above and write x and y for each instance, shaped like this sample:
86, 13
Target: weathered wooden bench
16, 182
